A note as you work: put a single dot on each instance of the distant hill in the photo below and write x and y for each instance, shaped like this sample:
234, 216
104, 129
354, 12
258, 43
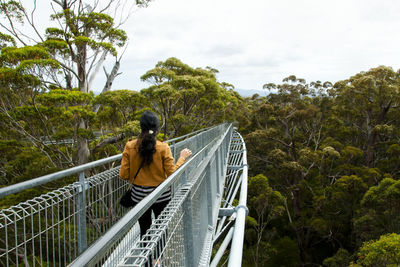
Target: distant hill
251, 92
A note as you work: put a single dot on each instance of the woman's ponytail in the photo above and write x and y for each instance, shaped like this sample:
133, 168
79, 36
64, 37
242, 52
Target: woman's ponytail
147, 147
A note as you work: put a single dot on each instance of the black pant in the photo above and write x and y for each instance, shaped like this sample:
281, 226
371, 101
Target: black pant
145, 220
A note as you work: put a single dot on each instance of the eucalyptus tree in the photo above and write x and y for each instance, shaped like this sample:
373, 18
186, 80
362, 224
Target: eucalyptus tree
20, 84
265, 205
382, 252
187, 98
379, 212
341, 210
368, 104
117, 118
82, 35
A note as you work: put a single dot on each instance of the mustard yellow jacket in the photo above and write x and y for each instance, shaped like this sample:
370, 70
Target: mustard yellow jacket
152, 175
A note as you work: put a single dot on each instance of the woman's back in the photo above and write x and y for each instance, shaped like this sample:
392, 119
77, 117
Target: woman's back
151, 175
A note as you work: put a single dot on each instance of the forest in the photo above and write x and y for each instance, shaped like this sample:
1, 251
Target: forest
323, 157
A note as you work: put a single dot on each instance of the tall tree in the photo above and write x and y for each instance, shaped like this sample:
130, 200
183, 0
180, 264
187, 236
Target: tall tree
83, 35
379, 212
265, 205
382, 252
187, 98
20, 85
368, 102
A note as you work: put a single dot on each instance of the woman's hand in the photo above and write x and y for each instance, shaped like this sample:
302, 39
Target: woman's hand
185, 153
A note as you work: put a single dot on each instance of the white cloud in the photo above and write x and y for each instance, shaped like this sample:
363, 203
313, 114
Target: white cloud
260, 41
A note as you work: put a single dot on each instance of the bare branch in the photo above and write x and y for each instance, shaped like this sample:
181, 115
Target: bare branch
106, 7
33, 140
111, 140
123, 52
97, 68
58, 2
31, 21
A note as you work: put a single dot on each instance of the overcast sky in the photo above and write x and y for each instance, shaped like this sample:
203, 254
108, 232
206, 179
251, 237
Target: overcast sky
260, 41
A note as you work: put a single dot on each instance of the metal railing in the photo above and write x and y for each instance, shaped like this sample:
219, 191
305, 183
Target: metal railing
232, 218
239, 166
199, 215
183, 233
56, 227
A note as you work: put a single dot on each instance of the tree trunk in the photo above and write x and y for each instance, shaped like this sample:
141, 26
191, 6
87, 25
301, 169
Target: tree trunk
110, 78
83, 148
370, 157
165, 126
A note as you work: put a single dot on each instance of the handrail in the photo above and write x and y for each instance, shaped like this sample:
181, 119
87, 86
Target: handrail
15, 188
235, 256
173, 140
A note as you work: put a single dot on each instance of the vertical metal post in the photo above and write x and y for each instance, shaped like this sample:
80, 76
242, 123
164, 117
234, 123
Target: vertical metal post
203, 144
81, 208
188, 228
209, 194
218, 169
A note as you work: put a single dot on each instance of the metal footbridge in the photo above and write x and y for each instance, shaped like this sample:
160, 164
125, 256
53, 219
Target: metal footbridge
82, 224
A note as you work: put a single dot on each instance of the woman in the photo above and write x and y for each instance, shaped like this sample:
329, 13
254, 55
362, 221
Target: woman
151, 162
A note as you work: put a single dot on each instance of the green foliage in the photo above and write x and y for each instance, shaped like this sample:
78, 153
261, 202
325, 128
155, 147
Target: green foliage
263, 258
375, 91
13, 9
341, 258
118, 107
98, 32
394, 150
330, 152
283, 252
19, 72
6, 40
323, 147
130, 128
263, 200
380, 209
383, 252
65, 98
14, 55
265, 205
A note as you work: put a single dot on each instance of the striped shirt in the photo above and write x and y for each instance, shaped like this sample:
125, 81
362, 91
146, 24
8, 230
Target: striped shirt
138, 192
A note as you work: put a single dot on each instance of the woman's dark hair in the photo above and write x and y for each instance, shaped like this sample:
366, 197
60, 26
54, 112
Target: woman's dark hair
149, 124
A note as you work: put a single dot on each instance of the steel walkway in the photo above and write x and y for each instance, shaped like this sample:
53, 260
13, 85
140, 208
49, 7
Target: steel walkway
82, 224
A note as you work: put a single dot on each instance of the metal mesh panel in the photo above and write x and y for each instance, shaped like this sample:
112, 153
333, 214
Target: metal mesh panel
44, 230
34, 231
102, 198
